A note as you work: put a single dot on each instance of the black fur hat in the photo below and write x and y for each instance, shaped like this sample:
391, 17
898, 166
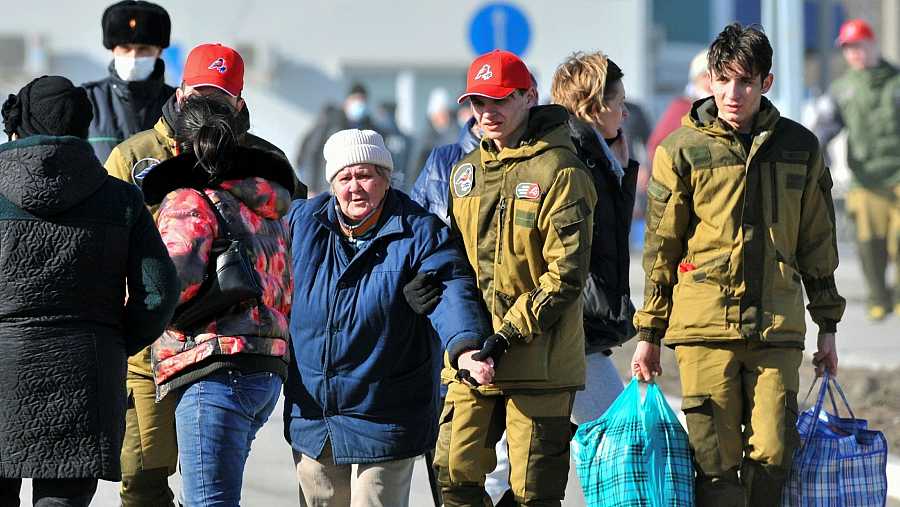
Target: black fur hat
135, 22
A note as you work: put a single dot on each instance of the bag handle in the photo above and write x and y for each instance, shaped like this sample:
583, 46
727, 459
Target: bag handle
223, 224
820, 400
843, 398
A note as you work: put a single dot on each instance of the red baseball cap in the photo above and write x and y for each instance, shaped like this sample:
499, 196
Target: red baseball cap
854, 30
215, 65
495, 75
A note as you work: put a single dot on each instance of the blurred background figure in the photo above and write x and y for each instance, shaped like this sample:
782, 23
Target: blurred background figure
637, 127
866, 102
356, 112
398, 143
131, 97
696, 89
463, 115
75, 241
440, 129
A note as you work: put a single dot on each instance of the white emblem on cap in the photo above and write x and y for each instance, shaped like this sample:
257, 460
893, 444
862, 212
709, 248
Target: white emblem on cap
219, 65
484, 73
464, 180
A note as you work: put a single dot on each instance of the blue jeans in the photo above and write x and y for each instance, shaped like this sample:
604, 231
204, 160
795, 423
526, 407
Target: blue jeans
216, 420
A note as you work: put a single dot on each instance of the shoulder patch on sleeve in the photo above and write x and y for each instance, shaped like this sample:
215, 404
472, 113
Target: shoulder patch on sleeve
658, 191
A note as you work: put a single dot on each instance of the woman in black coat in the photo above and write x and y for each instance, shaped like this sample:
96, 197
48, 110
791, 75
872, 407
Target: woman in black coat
73, 242
590, 87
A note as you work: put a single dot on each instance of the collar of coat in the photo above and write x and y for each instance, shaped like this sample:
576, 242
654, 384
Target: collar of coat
874, 76
704, 116
585, 139
391, 216
183, 171
546, 129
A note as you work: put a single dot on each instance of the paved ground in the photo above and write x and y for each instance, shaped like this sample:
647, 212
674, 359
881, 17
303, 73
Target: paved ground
269, 477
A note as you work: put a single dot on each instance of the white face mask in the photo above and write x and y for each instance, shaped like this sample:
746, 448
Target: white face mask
134, 69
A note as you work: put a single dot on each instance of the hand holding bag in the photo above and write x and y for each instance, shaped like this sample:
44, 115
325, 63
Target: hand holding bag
842, 463
230, 279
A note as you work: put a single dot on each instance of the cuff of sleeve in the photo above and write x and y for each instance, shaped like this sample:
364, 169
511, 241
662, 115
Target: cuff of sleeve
651, 335
828, 326
509, 332
457, 347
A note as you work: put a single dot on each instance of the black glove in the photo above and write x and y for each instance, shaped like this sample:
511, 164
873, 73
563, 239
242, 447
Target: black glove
494, 347
464, 376
423, 293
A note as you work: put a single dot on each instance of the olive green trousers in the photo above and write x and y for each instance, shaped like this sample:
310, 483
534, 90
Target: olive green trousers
740, 402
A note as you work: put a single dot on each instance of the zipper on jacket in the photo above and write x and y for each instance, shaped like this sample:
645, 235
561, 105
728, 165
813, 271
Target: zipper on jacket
500, 230
774, 193
326, 370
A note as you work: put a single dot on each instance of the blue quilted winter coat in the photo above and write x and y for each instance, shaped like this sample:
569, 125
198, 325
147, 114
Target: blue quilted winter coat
364, 368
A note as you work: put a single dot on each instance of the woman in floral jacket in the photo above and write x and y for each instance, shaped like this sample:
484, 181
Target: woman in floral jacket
226, 371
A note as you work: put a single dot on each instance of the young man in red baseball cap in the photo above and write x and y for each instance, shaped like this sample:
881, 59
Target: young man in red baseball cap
864, 102
522, 203
150, 451
211, 69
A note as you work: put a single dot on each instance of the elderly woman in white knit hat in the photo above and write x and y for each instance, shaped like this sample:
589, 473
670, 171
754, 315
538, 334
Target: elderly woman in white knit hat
373, 274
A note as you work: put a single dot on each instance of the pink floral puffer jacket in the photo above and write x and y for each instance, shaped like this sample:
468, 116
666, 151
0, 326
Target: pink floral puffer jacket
188, 226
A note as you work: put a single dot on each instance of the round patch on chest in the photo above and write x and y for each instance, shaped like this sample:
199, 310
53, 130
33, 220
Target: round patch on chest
463, 180
141, 169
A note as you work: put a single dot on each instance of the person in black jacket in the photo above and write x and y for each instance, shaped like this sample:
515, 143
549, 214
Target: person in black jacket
590, 87
73, 242
131, 97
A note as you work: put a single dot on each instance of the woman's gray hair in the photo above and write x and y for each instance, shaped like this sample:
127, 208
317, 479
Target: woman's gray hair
384, 172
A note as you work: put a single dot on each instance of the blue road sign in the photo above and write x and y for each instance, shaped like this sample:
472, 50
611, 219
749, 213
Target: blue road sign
174, 56
499, 26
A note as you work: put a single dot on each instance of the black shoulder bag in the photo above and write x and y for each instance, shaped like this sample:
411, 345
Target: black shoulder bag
230, 279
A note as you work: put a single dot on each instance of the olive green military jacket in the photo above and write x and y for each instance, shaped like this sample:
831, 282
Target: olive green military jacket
525, 218
733, 236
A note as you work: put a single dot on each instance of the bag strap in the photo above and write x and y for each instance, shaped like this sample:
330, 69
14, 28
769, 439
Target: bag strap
826, 387
820, 399
223, 224
843, 398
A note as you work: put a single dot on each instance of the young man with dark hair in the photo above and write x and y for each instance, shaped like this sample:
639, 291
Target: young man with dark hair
739, 220
522, 204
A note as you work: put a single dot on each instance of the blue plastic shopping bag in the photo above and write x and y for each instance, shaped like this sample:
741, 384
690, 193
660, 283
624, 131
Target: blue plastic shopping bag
635, 454
841, 462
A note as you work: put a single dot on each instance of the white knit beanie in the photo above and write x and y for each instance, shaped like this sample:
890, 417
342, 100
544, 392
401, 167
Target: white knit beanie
352, 147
